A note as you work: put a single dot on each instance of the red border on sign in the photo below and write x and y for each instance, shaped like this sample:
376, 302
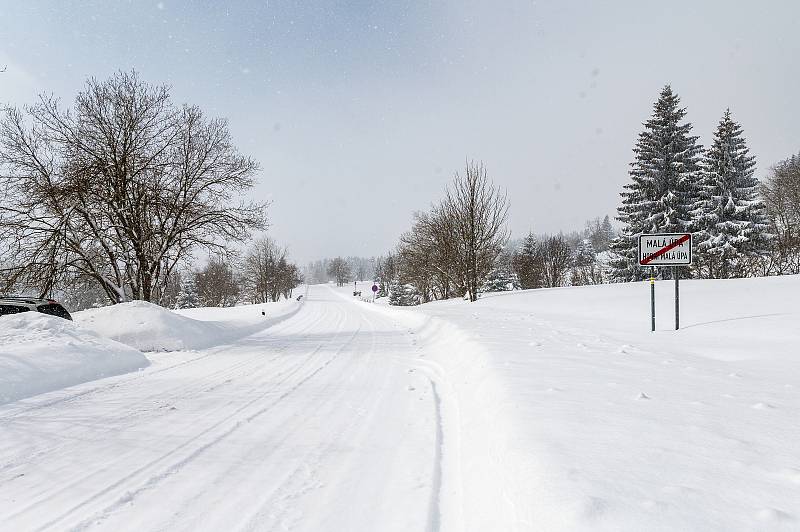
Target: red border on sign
663, 250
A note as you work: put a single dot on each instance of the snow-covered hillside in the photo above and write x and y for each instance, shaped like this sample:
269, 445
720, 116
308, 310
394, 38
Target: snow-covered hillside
575, 416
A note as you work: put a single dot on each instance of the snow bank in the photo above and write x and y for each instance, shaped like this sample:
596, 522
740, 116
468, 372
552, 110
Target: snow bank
40, 353
149, 327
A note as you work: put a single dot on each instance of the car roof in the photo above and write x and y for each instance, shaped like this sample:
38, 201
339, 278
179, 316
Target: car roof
27, 300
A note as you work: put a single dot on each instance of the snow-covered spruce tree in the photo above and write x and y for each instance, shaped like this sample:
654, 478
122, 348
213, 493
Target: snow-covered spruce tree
188, 296
664, 185
500, 279
585, 268
731, 221
403, 295
525, 265
606, 235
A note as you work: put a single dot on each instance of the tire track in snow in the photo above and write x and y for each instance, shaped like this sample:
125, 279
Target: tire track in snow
122, 380
175, 467
155, 462
434, 508
285, 374
309, 465
206, 382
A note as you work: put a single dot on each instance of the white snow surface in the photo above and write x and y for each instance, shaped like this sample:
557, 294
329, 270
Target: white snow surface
41, 353
572, 415
539, 410
149, 327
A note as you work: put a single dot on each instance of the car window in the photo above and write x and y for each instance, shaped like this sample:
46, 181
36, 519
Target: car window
12, 309
54, 309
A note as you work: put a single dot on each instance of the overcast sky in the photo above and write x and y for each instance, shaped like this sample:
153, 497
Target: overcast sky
360, 112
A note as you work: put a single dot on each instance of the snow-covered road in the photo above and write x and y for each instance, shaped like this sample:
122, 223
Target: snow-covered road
318, 422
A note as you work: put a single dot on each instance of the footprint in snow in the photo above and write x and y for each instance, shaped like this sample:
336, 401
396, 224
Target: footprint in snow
642, 396
762, 406
734, 375
535, 344
410, 388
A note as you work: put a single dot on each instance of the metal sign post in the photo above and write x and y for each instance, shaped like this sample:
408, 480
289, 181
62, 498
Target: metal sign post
665, 249
676, 274
652, 302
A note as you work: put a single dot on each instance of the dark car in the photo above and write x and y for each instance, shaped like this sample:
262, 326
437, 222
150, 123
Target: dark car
17, 304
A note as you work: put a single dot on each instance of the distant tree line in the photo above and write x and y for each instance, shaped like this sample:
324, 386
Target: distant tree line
340, 270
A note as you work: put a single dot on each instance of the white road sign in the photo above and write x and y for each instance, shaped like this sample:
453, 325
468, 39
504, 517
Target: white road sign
665, 249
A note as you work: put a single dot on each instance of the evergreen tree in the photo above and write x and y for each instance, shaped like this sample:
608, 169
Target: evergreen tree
731, 222
664, 187
500, 280
584, 253
585, 269
600, 233
403, 295
606, 235
525, 264
188, 296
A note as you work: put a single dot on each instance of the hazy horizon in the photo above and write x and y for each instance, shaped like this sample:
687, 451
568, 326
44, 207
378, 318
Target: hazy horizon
361, 112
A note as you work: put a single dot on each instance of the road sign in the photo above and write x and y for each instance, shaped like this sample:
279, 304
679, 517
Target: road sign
374, 288
665, 249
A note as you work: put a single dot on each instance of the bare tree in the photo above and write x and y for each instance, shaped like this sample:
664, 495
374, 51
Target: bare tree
340, 271
267, 273
431, 258
478, 212
217, 285
119, 190
781, 194
554, 257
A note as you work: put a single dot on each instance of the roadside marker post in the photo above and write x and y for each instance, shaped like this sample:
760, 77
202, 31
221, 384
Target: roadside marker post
665, 249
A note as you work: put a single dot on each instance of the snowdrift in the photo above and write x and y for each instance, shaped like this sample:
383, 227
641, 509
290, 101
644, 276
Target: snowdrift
148, 327
40, 353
